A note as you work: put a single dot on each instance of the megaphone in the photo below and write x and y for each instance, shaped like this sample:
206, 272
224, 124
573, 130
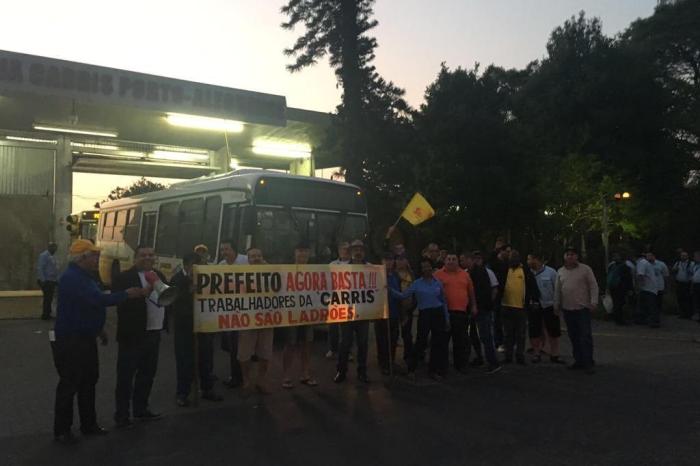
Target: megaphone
164, 295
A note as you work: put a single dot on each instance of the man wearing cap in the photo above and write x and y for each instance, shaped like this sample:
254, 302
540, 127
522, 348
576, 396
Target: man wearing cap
229, 340
298, 338
47, 278
348, 330
576, 296
181, 313
80, 318
140, 321
203, 252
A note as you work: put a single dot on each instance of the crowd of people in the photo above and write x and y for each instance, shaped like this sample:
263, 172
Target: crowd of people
485, 303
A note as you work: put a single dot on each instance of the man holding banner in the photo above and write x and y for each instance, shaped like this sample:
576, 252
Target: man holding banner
356, 327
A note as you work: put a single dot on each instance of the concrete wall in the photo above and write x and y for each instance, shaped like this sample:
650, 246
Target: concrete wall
25, 229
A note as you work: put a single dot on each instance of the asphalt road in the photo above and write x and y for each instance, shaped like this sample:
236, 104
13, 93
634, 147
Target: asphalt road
642, 406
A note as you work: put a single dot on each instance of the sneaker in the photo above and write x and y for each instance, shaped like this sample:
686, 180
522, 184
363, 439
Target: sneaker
66, 439
330, 354
94, 431
493, 369
147, 416
339, 377
501, 349
556, 360
123, 423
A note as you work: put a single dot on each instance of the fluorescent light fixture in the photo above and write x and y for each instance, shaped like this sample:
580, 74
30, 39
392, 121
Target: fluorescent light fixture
233, 164
290, 151
178, 156
129, 154
207, 123
94, 146
18, 138
75, 130
187, 150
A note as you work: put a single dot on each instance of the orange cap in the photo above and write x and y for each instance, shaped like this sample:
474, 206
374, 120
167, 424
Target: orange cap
81, 246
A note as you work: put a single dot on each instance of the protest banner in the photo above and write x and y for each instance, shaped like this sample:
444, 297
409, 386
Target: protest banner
248, 297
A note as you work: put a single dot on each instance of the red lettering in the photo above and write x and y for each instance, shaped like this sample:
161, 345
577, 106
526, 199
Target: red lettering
290, 317
224, 321
362, 283
290, 282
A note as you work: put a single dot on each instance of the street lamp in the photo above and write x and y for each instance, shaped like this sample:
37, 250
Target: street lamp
623, 196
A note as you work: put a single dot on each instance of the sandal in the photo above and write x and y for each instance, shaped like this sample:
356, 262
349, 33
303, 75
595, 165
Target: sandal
310, 381
287, 384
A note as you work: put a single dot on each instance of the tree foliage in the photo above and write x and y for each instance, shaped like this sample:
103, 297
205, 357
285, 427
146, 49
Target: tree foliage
140, 186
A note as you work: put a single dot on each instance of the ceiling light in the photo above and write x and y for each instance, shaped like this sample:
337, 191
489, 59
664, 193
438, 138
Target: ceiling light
200, 122
233, 164
94, 146
187, 150
75, 130
291, 151
18, 138
178, 156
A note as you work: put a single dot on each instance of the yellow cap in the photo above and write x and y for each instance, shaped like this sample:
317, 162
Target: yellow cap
81, 246
201, 246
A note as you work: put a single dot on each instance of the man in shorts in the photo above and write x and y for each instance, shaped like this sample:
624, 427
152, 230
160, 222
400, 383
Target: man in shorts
256, 342
543, 322
298, 339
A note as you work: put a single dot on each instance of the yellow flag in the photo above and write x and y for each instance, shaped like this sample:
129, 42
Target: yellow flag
418, 210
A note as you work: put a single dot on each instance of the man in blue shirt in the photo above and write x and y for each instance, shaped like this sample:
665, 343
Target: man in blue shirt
80, 317
543, 321
433, 320
47, 278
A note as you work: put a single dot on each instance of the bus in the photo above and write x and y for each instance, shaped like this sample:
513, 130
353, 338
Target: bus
83, 225
273, 211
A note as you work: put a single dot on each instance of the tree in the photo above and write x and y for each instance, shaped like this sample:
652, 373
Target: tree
338, 29
140, 186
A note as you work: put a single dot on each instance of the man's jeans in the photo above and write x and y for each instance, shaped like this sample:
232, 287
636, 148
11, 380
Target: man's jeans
484, 322
578, 325
649, 312
348, 330
137, 363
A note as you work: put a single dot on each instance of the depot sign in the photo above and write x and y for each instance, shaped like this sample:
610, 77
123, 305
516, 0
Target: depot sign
20, 73
247, 297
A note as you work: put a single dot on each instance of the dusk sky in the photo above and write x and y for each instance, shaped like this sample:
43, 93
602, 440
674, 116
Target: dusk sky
238, 43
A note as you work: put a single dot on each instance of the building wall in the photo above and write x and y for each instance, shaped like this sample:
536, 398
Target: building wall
24, 231
26, 203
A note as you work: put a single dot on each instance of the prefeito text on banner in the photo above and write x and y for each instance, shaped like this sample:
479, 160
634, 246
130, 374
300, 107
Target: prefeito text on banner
247, 297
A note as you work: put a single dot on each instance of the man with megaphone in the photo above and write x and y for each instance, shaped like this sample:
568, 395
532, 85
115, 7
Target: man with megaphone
140, 321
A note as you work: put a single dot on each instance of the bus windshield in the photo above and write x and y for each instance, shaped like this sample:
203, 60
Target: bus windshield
279, 230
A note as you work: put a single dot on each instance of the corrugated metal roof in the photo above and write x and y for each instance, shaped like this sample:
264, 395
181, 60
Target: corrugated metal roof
26, 170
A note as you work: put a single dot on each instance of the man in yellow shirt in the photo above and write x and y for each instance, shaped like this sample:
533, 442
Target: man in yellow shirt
520, 289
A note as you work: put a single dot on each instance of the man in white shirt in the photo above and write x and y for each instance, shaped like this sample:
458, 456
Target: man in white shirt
661, 274
683, 274
334, 329
229, 340
648, 312
139, 324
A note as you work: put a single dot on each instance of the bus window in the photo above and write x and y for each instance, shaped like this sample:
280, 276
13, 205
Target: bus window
148, 230
120, 225
108, 227
166, 236
212, 211
276, 234
190, 225
131, 232
354, 227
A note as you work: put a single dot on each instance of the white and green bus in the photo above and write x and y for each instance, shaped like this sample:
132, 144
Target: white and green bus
271, 210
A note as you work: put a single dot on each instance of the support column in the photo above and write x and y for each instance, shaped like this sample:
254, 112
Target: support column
63, 195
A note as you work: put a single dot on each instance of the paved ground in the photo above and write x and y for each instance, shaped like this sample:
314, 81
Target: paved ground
641, 407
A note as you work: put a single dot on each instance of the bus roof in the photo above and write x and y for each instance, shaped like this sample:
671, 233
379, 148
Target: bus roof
241, 180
